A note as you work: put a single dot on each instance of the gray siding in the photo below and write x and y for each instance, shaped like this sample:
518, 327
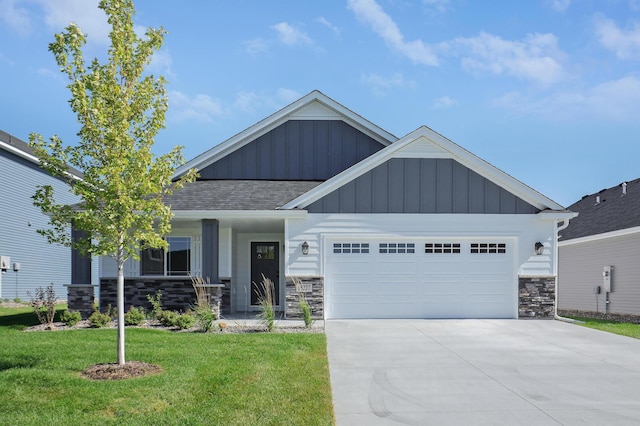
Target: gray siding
580, 269
296, 150
40, 263
427, 185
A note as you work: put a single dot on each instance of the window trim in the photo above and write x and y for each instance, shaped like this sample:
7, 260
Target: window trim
165, 259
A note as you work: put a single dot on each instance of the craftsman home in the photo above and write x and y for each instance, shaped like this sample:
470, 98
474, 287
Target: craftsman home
372, 225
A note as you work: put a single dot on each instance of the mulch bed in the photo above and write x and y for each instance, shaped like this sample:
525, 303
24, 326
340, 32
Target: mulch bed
115, 371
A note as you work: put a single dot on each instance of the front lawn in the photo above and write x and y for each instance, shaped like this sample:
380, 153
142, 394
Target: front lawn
622, 328
226, 379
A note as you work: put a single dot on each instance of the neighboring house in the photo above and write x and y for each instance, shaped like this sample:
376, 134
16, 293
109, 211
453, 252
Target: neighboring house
605, 237
30, 261
372, 225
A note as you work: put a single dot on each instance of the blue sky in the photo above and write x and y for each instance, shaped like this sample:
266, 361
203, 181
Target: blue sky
548, 90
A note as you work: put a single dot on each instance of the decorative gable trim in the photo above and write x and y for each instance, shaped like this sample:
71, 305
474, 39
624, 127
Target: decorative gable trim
313, 106
426, 143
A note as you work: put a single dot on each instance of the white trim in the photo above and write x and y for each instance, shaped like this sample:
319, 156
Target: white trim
31, 158
454, 151
246, 136
604, 235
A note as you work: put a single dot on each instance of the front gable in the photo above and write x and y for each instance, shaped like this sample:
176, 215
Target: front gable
423, 173
296, 150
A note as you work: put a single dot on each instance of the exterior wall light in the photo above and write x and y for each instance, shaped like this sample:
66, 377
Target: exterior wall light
539, 248
305, 248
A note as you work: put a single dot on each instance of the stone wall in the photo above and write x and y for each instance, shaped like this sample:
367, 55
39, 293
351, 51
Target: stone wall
313, 291
226, 296
537, 297
177, 293
81, 298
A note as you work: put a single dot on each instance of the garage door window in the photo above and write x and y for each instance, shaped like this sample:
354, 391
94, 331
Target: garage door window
397, 248
480, 248
348, 248
442, 248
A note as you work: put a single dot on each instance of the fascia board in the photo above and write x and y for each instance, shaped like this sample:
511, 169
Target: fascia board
605, 235
271, 122
32, 158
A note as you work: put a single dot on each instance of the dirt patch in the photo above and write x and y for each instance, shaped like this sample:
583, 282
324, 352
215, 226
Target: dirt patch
115, 371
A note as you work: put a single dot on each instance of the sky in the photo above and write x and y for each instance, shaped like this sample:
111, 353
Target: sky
546, 90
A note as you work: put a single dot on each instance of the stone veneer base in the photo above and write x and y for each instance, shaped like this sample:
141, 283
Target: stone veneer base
537, 296
315, 297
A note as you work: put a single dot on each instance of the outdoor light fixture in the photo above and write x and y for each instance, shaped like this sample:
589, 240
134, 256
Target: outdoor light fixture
539, 248
305, 248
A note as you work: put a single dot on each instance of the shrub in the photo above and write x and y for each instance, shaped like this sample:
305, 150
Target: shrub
135, 316
266, 299
100, 320
185, 321
44, 305
156, 305
305, 308
204, 318
70, 318
168, 318
17, 300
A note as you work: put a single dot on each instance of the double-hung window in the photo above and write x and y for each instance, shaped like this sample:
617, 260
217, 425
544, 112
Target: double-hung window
175, 261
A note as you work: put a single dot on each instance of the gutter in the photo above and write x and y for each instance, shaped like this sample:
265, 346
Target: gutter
555, 309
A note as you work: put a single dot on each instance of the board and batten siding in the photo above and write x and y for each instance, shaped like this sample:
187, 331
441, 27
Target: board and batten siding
525, 230
296, 150
421, 185
41, 263
580, 270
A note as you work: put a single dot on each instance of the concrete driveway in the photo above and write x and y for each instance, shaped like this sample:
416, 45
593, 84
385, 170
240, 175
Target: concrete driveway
481, 372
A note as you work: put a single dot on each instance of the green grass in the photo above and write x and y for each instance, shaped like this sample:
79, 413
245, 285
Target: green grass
220, 379
622, 328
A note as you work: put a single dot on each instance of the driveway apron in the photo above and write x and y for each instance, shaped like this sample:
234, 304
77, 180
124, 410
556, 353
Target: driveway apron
481, 372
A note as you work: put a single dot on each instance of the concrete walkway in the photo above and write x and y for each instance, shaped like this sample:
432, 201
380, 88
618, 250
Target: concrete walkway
481, 372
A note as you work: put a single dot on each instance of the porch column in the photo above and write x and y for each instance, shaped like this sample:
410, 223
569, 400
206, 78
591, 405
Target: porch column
210, 250
80, 264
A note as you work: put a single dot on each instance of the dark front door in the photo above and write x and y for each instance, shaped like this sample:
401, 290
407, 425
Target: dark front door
265, 260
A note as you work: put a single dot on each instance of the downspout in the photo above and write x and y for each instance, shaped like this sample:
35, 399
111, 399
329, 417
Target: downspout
555, 267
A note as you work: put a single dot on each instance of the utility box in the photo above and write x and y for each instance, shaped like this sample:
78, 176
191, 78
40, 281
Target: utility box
607, 278
5, 262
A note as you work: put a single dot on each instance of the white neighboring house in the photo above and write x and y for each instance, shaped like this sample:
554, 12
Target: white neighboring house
600, 254
372, 225
30, 261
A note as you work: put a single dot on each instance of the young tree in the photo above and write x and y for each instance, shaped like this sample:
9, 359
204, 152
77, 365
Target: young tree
120, 110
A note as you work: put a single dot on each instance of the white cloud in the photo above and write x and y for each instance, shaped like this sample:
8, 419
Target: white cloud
329, 25
444, 102
288, 95
615, 100
201, 108
15, 17
625, 44
559, 5
252, 102
256, 45
370, 12
161, 63
84, 13
290, 35
381, 85
536, 58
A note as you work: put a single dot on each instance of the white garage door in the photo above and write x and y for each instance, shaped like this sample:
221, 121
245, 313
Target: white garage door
420, 278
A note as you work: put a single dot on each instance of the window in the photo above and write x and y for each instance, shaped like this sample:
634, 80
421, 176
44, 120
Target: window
437, 248
478, 248
397, 248
362, 248
176, 261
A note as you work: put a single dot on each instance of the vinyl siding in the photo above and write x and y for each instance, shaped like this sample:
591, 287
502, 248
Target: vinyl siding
580, 269
41, 264
296, 150
421, 185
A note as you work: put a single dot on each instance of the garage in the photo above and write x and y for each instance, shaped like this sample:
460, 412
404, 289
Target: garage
420, 278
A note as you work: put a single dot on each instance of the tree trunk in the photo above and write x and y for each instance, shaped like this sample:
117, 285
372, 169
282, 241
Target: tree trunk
120, 307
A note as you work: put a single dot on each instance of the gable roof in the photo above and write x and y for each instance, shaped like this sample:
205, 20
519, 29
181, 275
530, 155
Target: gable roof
313, 106
426, 143
237, 194
606, 211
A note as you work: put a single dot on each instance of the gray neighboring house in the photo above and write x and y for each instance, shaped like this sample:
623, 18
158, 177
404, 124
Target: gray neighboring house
599, 253
29, 260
